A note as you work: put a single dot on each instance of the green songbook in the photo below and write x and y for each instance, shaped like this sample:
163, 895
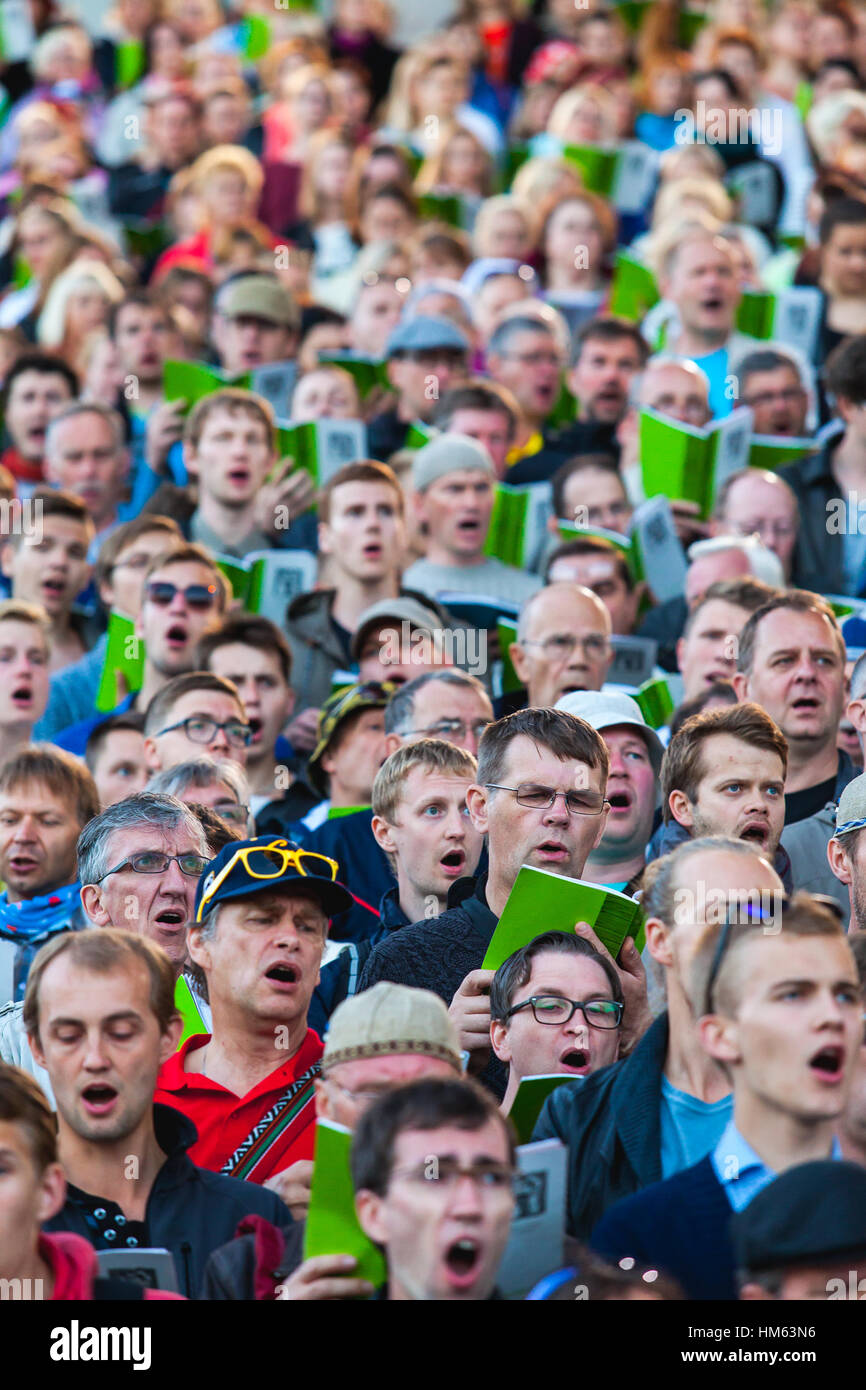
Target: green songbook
792, 316
656, 702
332, 1226
634, 290
322, 447
597, 165
518, 523
773, 450
626, 173
506, 629
689, 462
632, 13
192, 381
129, 63
529, 1101
541, 901
266, 581
366, 372
124, 657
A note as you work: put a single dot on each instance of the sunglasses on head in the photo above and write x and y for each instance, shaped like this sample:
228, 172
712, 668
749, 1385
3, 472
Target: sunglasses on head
162, 593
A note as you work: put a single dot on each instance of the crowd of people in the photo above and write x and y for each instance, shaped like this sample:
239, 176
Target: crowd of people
434, 448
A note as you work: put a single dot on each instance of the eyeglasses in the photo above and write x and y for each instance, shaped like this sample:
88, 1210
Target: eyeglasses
595, 647
198, 729
271, 861
535, 359
773, 530
161, 592
550, 1008
362, 1097
752, 915
452, 728
791, 395
152, 861
232, 812
577, 803
445, 1173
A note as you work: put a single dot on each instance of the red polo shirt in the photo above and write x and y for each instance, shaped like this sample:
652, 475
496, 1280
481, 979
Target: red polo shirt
252, 1136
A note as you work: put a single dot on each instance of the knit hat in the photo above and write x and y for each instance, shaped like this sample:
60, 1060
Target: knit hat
390, 1021
449, 453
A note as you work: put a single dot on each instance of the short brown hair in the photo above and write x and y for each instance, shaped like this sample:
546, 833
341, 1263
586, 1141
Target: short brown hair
800, 916
127, 534
190, 553
797, 601
432, 753
16, 610
22, 1102
747, 593
160, 706
101, 951
562, 734
251, 630
59, 771
364, 471
49, 502
235, 401
683, 765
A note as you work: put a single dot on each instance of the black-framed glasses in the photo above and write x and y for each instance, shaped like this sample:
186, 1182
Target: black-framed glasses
162, 592
151, 861
553, 1009
446, 1172
752, 916
577, 803
453, 728
199, 729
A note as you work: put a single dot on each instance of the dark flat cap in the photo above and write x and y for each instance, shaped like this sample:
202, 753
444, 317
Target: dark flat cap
806, 1216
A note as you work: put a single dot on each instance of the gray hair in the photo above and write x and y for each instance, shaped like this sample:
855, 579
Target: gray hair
69, 412
202, 771
400, 708
764, 563
146, 809
858, 679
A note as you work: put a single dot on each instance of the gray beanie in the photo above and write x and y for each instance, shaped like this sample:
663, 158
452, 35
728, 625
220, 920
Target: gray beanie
449, 453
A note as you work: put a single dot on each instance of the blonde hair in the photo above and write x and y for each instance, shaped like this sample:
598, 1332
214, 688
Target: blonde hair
16, 610
489, 211
672, 195
431, 174
222, 157
432, 753
542, 177
571, 101
51, 327
308, 197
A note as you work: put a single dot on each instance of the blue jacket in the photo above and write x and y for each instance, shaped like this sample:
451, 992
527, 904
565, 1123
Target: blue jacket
364, 869
72, 693
680, 1226
27, 925
340, 978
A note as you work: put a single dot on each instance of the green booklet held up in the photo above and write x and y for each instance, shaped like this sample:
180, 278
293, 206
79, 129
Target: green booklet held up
367, 372
656, 702
266, 581
541, 901
689, 462
322, 447
792, 317
123, 670
529, 1101
332, 1226
518, 523
634, 290
192, 381
626, 173
773, 450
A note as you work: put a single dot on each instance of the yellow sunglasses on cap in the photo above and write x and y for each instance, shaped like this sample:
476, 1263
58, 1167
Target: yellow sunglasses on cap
270, 861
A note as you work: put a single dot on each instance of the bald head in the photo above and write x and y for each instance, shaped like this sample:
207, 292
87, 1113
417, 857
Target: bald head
757, 502
563, 643
678, 389
731, 563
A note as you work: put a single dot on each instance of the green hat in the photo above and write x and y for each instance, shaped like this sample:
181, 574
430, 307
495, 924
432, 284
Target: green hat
336, 709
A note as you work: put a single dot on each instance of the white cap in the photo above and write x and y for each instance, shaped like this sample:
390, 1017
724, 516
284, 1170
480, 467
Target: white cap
604, 710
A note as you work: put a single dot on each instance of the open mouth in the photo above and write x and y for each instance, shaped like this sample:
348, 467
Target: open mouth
453, 862
282, 975
177, 635
239, 476
22, 696
828, 1063
806, 703
98, 1099
468, 524
372, 551
23, 864
576, 1059
553, 850
756, 830
255, 728
170, 918
713, 303
620, 800
462, 1259
53, 588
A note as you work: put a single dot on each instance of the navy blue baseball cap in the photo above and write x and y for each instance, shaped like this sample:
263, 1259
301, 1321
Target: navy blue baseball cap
245, 867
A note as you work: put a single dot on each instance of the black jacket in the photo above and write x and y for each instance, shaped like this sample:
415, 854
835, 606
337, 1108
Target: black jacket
819, 553
611, 1125
190, 1211
439, 953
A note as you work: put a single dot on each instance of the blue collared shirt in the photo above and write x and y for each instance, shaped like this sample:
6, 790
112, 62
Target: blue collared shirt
739, 1169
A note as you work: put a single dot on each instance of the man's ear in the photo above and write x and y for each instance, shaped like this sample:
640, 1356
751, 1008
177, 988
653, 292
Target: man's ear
658, 941
190, 459
324, 533
382, 835
477, 798
91, 901
7, 558
839, 862
151, 755
718, 1037
392, 743
499, 1039
323, 1100
680, 651
369, 1208
170, 1038
520, 662
602, 822
740, 682
52, 1192
198, 950
856, 712
681, 809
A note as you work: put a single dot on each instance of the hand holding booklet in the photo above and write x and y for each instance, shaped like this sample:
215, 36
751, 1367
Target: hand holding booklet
332, 1226
541, 901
